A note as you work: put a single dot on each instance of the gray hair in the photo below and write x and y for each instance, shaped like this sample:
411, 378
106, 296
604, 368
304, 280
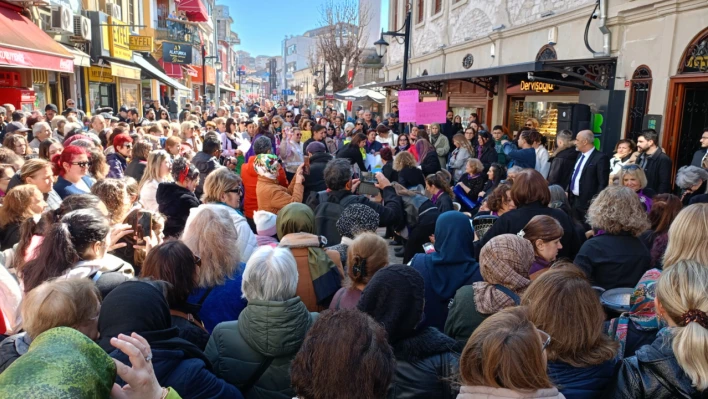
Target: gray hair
270, 275
514, 170
348, 126
565, 136
390, 115
558, 196
84, 143
689, 176
39, 125
337, 174
262, 145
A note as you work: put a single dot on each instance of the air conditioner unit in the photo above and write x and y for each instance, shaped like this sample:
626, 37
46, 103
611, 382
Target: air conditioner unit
82, 27
62, 20
113, 10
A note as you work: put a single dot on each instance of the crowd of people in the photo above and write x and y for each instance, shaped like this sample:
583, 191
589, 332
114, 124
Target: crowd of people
242, 250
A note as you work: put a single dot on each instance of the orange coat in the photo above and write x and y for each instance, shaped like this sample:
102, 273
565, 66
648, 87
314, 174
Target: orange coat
250, 180
272, 197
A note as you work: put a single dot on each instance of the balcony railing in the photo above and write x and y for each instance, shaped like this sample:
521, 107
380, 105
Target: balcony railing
177, 31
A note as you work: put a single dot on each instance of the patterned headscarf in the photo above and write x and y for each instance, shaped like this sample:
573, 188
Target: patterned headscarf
505, 260
266, 165
642, 313
357, 218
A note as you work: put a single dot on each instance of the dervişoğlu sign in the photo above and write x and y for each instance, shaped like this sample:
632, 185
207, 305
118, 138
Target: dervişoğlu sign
539, 87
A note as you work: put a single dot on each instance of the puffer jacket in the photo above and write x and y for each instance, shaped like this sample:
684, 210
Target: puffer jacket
273, 197
264, 329
653, 372
117, 165
425, 364
246, 243
174, 202
582, 382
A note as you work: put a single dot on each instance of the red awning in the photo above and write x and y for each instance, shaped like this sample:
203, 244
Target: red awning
172, 70
23, 44
195, 10
190, 71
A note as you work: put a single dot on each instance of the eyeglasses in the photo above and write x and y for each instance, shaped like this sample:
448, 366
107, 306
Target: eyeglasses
288, 116
83, 164
197, 261
547, 341
238, 191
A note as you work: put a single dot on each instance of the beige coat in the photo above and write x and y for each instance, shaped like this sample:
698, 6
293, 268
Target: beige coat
273, 197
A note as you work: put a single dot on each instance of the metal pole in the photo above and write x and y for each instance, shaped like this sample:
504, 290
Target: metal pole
204, 78
217, 92
406, 52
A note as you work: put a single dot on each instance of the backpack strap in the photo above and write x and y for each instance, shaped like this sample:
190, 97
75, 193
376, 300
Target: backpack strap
256, 374
188, 317
204, 297
511, 294
322, 197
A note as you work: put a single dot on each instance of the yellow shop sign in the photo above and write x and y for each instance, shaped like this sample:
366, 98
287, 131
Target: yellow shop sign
101, 74
141, 43
119, 39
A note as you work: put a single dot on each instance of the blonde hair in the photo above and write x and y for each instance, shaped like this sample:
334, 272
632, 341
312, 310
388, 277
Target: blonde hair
113, 193
16, 204
33, 166
55, 121
464, 143
404, 159
680, 289
476, 165
211, 235
219, 182
152, 170
617, 209
60, 303
688, 235
637, 173
367, 254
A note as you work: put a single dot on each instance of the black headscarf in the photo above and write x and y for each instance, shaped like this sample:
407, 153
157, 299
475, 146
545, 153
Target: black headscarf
395, 297
138, 306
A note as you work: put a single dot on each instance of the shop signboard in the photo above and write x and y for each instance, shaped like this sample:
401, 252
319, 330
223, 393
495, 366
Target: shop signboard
177, 53
119, 39
101, 75
538, 87
407, 100
430, 112
141, 43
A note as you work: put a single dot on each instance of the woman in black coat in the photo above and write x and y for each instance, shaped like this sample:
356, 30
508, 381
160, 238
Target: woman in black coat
486, 152
408, 173
314, 181
429, 162
531, 195
174, 200
441, 194
352, 151
387, 168
563, 161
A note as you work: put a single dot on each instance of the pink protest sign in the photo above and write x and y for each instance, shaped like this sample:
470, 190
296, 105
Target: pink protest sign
407, 100
430, 112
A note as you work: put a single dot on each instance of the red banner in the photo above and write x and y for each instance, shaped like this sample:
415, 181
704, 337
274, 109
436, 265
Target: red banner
27, 59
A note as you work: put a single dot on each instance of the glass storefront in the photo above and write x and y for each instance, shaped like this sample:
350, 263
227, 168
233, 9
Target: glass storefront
545, 112
101, 95
40, 96
130, 94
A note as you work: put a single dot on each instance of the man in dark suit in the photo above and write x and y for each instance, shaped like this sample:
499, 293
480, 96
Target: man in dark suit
591, 174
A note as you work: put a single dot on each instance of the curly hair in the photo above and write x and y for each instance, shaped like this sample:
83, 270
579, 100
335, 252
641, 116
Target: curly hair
496, 198
404, 159
113, 193
617, 209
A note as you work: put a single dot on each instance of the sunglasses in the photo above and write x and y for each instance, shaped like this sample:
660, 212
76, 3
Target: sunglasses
85, 164
288, 116
529, 125
127, 146
630, 167
359, 123
197, 261
238, 191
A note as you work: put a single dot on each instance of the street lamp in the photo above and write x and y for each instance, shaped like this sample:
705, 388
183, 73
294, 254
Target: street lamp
217, 66
324, 80
382, 45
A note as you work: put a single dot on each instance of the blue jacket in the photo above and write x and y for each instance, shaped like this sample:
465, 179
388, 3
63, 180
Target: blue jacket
66, 188
224, 302
117, 165
189, 377
524, 158
582, 382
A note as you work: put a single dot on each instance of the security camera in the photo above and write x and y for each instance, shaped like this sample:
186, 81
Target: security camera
595, 15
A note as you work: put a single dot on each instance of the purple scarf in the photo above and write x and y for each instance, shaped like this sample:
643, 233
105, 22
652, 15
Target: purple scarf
539, 264
645, 200
434, 198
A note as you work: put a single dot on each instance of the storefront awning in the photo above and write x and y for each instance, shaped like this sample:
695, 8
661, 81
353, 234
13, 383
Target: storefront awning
195, 10
190, 71
171, 69
590, 73
24, 45
227, 88
154, 73
359, 94
80, 58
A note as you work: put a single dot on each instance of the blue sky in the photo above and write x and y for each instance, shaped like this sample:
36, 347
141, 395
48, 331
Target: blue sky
262, 25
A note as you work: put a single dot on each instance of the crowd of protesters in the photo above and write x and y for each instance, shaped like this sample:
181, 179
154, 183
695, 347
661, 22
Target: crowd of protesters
242, 251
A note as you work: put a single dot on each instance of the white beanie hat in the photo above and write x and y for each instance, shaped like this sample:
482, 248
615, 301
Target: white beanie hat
265, 223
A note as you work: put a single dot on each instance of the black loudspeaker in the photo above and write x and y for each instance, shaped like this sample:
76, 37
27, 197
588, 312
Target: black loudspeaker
573, 117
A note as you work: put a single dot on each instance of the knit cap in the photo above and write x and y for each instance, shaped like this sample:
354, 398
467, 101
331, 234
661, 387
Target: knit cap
265, 223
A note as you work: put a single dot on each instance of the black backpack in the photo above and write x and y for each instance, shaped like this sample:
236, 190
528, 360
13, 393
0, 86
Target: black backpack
411, 205
327, 214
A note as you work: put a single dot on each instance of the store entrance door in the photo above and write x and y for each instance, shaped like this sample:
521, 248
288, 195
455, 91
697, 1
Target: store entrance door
694, 119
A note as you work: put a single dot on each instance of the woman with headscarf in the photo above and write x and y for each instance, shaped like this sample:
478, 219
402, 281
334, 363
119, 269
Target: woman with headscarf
450, 267
440, 142
271, 196
504, 263
355, 219
140, 307
425, 362
320, 270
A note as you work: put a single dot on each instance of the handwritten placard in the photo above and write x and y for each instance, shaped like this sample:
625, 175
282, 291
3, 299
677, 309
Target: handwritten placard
407, 100
430, 112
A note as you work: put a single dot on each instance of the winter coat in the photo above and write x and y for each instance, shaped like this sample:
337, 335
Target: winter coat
444, 203
562, 166
206, 164
658, 169
653, 373
582, 382
698, 157
353, 154
425, 364
389, 172
522, 157
116, 165
489, 156
442, 148
175, 202
480, 392
458, 162
390, 213
66, 188
411, 177
614, 261
542, 164
314, 182
264, 330
224, 302
463, 317
250, 182
430, 164
136, 169
272, 197
11, 348
148, 195
9, 235
246, 242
